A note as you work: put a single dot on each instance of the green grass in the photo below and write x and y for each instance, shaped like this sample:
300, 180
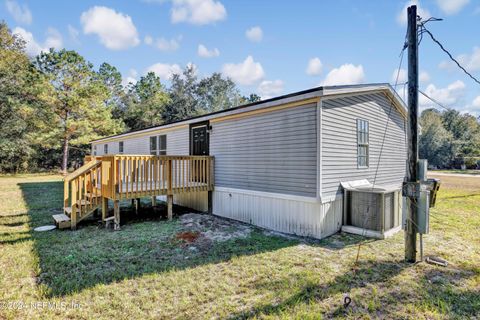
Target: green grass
143, 272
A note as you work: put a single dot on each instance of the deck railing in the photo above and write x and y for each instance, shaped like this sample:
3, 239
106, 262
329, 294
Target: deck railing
136, 176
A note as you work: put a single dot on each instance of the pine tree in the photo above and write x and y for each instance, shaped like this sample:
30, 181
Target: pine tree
78, 102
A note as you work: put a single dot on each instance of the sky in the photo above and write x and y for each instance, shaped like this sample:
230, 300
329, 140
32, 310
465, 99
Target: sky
267, 47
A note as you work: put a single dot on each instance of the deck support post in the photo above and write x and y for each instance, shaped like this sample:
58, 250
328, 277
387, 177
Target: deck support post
210, 202
116, 215
104, 208
154, 201
136, 204
73, 218
170, 206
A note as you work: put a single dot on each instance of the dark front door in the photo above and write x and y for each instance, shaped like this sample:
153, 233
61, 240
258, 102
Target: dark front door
199, 140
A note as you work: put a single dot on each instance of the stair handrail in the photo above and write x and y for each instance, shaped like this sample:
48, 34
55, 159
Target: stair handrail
86, 167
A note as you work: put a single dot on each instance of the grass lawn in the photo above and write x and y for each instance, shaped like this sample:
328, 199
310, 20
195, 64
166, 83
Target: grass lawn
144, 271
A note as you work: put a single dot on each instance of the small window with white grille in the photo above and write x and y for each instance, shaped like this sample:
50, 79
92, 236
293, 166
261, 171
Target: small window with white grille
362, 143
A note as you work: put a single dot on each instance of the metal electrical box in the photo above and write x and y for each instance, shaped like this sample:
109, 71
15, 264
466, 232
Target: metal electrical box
425, 193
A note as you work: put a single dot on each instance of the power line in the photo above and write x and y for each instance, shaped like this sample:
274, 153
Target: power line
434, 101
425, 30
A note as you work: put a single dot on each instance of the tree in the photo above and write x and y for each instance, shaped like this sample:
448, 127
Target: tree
465, 130
21, 93
253, 97
146, 103
77, 105
112, 80
183, 95
216, 93
435, 143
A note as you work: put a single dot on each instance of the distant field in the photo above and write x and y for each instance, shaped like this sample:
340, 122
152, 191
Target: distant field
474, 172
147, 271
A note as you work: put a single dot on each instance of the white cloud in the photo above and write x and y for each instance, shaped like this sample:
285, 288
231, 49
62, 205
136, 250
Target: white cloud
130, 78
73, 33
205, 53
402, 15
447, 96
54, 39
402, 76
254, 34
314, 67
244, 73
424, 76
198, 12
471, 62
268, 88
163, 44
20, 13
115, 29
164, 71
476, 102
32, 47
168, 45
452, 6
148, 40
345, 74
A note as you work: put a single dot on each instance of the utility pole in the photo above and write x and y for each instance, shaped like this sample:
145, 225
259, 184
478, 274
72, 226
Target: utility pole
412, 130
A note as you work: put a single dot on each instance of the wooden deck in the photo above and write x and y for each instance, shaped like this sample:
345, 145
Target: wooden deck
118, 177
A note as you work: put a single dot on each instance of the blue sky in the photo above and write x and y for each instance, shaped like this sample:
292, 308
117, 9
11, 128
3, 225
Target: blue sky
268, 47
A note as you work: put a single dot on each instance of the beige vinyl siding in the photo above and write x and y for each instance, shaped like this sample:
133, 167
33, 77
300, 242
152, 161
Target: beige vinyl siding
177, 144
272, 152
339, 141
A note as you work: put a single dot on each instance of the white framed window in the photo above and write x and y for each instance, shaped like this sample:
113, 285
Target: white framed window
162, 144
120, 147
95, 150
153, 145
105, 149
362, 143
158, 145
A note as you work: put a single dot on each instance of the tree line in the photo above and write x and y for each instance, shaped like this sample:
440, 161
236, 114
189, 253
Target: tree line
449, 139
53, 105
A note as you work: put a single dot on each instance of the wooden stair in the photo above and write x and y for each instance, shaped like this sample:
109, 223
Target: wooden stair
62, 221
82, 197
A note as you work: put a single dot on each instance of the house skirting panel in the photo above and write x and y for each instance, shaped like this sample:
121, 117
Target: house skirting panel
302, 216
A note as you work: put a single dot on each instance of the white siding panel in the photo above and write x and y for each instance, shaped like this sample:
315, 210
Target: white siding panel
281, 213
339, 142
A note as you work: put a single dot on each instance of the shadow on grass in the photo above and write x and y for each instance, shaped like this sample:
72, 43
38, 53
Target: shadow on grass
368, 272
440, 290
71, 261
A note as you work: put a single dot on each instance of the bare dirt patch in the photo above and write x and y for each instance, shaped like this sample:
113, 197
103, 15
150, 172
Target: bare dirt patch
214, 228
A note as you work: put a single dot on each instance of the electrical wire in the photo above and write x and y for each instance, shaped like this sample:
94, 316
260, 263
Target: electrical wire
424, 29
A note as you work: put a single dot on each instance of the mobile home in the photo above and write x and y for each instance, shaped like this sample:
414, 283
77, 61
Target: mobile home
280, 163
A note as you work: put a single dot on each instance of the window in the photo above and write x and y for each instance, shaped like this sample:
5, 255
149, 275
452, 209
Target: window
362, 142
105, 149
158, 145
153, 145
162, 144
120, 147
95, 150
